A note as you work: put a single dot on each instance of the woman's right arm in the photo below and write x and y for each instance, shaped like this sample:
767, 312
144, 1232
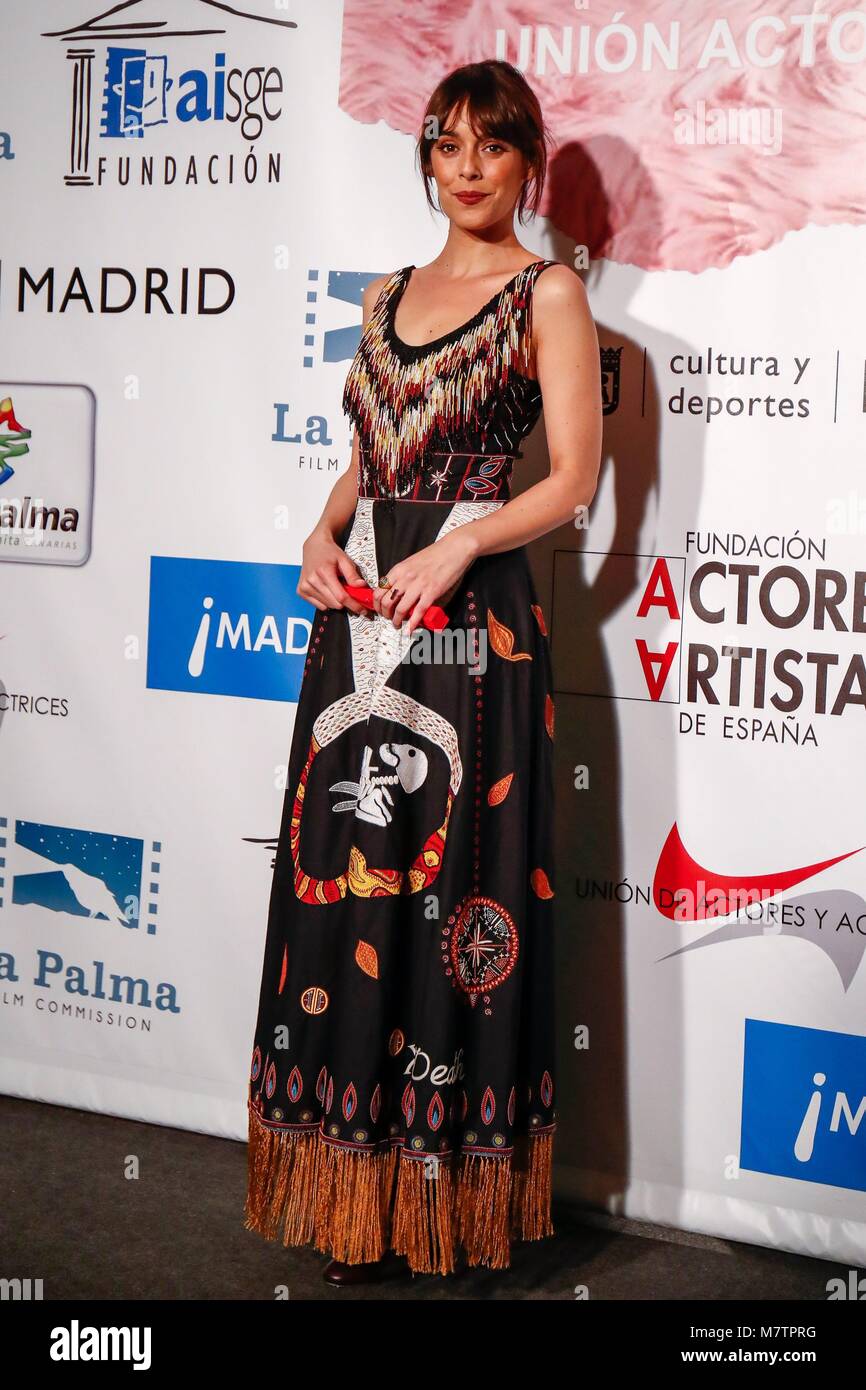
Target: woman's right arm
324, 563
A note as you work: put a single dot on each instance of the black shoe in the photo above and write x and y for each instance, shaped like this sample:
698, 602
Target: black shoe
370, 1272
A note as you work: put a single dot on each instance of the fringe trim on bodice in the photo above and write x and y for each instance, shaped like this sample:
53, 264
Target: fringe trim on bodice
472, 384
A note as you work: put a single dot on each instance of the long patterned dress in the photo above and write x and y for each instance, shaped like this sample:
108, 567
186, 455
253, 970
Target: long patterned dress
401, 1087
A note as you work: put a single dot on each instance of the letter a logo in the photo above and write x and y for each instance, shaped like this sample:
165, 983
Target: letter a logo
658, 593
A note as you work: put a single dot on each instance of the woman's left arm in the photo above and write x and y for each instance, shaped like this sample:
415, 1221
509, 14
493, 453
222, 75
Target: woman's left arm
569, 372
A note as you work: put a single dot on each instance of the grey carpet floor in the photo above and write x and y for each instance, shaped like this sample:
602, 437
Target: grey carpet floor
72, 1218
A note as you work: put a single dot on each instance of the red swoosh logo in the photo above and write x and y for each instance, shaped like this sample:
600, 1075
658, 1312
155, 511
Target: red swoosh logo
693, 893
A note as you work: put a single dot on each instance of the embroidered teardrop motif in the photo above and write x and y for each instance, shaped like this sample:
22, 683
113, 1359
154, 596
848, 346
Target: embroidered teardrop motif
499, 790
549, 714
539, 618
540, 884
367, 959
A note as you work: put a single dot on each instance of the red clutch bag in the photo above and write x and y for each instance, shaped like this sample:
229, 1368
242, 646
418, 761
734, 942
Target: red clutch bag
435, 617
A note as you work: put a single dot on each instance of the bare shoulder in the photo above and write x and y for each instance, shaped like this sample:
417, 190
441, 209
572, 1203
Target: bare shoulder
374, 288
558, 289
562, 321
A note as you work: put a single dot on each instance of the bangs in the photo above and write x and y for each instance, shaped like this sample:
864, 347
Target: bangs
486, 114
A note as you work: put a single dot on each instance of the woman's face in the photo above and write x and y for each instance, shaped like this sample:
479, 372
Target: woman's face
464, 163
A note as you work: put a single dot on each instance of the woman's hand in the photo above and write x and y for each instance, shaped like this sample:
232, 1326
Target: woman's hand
323, 564
428, 576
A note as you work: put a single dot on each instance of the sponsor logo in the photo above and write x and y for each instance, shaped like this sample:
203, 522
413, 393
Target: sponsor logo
833, 919
804, 1104
226, 627
136, 76
73, 874
84, 873
339, 341
753, 643
46, 472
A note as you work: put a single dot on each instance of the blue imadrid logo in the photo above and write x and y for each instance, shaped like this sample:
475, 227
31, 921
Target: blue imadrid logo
804, 1104
227, 627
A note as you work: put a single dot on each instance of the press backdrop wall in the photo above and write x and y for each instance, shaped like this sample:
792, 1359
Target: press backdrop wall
191, 213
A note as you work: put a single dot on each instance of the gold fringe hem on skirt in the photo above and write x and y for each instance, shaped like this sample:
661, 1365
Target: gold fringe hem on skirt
354, 1205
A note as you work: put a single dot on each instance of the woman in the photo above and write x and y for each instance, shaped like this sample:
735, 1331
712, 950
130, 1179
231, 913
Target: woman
401, 1095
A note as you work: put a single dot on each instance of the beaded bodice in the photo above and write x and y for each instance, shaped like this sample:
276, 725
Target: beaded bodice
466, 391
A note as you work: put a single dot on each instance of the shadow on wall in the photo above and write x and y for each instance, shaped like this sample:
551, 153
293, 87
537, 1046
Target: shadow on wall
584, 578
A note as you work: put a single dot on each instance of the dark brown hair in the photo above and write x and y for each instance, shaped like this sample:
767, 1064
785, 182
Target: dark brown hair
500, 104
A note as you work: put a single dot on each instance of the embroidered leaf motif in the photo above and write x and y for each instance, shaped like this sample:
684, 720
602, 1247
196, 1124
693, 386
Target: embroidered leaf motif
540, 884
367, 959
283, 971
539, 617
500, 790
502, 640
548, 715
